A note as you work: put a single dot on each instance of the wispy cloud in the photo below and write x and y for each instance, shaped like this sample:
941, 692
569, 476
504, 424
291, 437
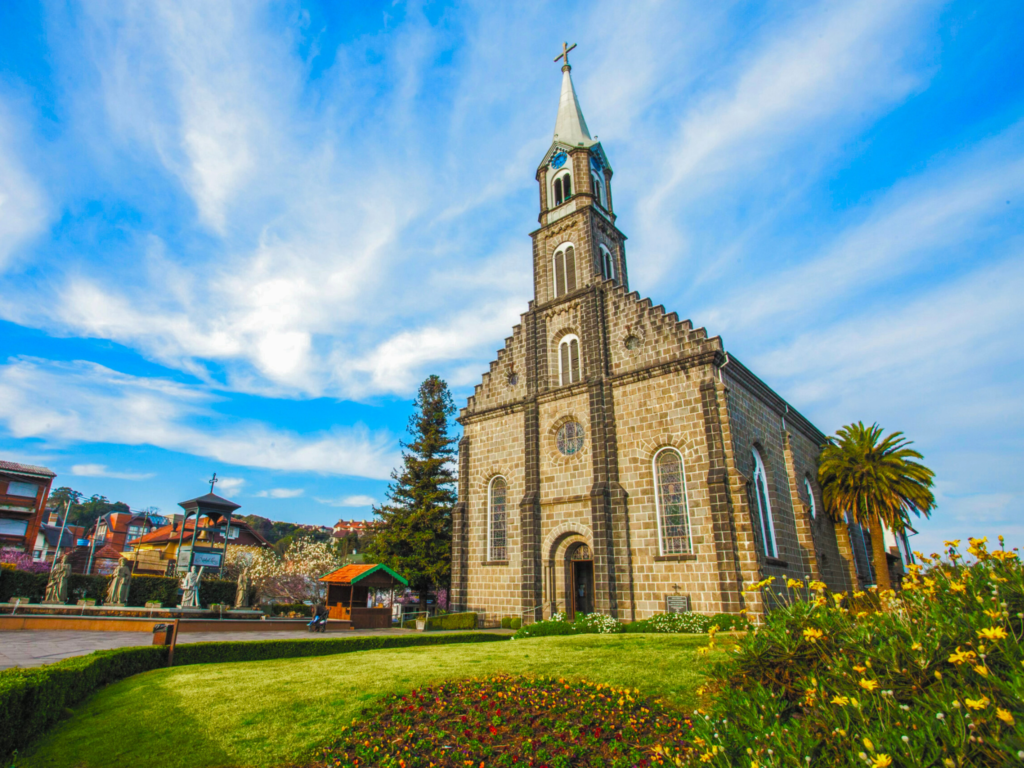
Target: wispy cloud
101, 470
151, 411
23, 209
280, 493
349, 501
229, 486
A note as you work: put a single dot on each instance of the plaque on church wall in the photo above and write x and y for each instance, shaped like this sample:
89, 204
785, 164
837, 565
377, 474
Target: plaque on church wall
677, 603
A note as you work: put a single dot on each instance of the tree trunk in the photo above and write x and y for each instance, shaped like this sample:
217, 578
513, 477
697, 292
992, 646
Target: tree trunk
880, 561
846, 554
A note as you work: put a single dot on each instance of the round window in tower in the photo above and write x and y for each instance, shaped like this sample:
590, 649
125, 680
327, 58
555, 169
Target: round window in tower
632, 342
570, 438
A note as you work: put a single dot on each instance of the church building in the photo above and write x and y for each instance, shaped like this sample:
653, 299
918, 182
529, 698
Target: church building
615, 459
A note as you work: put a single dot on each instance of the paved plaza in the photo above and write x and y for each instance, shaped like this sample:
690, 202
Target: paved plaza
33, 648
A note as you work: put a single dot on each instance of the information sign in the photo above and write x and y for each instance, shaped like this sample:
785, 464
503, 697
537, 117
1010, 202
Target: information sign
677, 603
207, 559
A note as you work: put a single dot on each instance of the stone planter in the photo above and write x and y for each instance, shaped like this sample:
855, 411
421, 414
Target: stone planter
421, 625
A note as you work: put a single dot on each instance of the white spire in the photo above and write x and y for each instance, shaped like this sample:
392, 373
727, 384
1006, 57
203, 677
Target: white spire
570, 127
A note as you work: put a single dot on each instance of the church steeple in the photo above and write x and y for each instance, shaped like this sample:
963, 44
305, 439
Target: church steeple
570, 127
578, 244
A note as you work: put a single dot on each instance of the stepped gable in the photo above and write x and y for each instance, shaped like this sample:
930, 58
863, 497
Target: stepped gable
643, 336
496, 388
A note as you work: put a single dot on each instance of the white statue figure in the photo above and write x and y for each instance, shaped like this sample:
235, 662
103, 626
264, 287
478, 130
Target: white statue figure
190, 585
243, 589
57, 586
117, 590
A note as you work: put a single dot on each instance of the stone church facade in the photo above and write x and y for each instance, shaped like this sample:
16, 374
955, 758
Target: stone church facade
614, 458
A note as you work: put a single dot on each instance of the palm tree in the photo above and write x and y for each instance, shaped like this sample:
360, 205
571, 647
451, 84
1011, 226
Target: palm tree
876, 481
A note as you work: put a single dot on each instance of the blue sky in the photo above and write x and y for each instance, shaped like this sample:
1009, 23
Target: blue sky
234, 237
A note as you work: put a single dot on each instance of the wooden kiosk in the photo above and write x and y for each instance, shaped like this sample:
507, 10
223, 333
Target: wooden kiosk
348, 591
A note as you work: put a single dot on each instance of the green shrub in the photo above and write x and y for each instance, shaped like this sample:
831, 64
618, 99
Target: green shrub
86, 587
220, 591
153, 589
15, 583
931, 676
506, 622
32, 700
451, 621
280, 609
516, 623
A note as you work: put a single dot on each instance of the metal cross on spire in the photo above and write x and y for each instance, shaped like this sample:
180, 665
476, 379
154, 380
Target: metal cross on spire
565, 53
213, 481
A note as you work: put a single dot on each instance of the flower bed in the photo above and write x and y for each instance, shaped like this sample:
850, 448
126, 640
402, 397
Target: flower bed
932, 676
510, 721
595, 623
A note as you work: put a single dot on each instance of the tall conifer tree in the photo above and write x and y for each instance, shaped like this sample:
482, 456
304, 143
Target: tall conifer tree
414, 529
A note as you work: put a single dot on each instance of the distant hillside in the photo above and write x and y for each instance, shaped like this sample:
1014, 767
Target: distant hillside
273, 531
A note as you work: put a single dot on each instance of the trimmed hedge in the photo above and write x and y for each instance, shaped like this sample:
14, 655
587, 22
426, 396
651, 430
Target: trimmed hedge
516, 623
32, 700
143, 588
506, 622
278, 609
451, 621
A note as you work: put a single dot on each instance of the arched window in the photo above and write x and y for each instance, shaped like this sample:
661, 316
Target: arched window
607, 264
598, 190
670, 501
565, 269
810, 497
568, 360
563, 188
764, 509
497, 519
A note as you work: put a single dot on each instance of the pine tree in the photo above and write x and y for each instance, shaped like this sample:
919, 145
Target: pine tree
413, 531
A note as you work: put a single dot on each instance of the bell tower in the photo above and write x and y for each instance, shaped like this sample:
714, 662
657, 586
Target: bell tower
577, 245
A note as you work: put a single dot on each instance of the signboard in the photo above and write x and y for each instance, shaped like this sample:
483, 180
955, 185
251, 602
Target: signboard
207, 559
677, 603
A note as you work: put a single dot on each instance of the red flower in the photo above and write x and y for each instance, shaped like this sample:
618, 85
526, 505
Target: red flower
493, 730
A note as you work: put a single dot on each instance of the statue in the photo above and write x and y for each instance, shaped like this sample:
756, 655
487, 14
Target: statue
57, 586
190, 585
242, 592
117, 590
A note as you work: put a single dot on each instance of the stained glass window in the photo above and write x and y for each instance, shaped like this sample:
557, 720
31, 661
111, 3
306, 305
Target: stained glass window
498, 548
764, 510
570, 438
673, 515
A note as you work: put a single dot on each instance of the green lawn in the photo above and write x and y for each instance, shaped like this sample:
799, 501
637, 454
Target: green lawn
270, 713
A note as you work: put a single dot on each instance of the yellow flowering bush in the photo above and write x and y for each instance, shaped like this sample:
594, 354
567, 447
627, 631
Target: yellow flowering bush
930, 676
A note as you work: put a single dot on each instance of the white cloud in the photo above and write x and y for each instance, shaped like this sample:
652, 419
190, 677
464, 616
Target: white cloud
101, 470
23, 207
349, 501
229, 486
99, 405
280, 493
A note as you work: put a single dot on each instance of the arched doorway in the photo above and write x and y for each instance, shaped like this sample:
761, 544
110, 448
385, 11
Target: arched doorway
580, 573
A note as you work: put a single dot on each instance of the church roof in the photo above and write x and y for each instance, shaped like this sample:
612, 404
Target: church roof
570, 127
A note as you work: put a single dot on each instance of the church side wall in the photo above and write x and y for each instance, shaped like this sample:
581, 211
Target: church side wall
755, 423
652, 414
493, 589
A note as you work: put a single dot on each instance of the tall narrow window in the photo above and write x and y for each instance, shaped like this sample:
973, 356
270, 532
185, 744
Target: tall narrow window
567, 186
764, 509
497, 521
562, 188
558, 191
607, 265
810, 497
565, 269
568, 360
670, 500
598, 196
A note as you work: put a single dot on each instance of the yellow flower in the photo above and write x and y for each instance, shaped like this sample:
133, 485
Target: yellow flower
957, 587
868, 685
954, 543
813, 634
794, 584
992, 633
817, 586
868, 744
860, 669
993, 614
977, 703
960, 657
881, 761
838, 598
1004, 715
842, 701
916, 647
820, 601
981, 669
